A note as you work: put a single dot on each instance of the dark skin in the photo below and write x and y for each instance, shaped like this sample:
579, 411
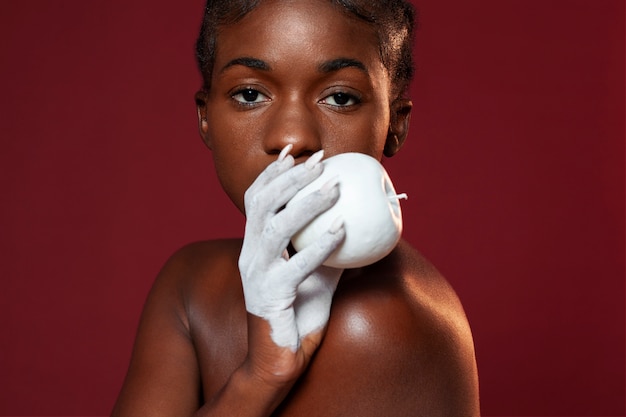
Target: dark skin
397, 342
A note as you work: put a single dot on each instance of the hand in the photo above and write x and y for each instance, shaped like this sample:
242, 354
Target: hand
292, 294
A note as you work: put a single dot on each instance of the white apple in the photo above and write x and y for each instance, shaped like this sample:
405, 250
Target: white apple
368, 205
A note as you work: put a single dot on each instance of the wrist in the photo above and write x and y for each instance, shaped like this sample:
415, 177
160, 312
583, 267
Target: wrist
256, 394
269, 363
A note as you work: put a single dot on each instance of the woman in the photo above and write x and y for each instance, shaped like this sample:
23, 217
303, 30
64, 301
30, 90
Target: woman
248, 327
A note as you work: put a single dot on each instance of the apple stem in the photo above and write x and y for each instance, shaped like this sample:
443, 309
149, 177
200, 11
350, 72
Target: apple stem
402, 196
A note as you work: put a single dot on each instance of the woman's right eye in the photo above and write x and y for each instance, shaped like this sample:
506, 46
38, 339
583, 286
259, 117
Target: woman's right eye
248, 96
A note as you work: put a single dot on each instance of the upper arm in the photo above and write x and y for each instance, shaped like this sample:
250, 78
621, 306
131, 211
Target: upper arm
163, 377
384, 356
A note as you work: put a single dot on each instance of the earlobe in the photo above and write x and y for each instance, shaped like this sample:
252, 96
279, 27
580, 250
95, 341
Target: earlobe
392, 145
398, 125
203, 124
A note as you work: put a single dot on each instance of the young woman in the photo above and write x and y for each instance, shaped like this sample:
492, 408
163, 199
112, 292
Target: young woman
248, 327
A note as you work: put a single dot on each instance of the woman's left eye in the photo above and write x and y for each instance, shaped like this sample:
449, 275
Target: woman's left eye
249, 96
341, 100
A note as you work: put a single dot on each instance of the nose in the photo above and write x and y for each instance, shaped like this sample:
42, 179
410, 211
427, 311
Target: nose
293, 123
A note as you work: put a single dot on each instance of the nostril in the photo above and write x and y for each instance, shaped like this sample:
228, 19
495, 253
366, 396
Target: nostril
299, 154
302, 156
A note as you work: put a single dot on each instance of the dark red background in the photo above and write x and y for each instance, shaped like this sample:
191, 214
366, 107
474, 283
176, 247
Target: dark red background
514, 168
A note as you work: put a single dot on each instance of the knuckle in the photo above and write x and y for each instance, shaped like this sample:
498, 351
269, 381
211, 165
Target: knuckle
243, 264
301, 262
272, 228
328, 242
249, 197
253, 202
319, 201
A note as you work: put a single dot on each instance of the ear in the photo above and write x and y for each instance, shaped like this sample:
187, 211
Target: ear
203, 124
398, 125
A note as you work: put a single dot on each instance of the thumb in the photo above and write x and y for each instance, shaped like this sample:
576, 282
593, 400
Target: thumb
314, 298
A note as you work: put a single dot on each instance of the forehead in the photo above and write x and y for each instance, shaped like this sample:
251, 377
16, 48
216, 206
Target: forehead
298, 30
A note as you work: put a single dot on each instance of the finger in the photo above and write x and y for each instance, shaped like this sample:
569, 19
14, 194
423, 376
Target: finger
271, 172
256, 217
291, 273
277, 192
305, 262
313, 301
298, 214
281, 228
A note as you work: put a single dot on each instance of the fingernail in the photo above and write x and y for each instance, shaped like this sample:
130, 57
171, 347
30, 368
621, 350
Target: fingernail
314, 159
329, 185
283, 154
336, 225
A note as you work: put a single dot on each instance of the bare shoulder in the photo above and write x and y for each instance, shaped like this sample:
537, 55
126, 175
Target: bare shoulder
195, 259
203, 278
164, 362
206, 264
398, 344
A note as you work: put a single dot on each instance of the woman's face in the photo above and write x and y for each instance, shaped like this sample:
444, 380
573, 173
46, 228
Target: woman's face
292, 72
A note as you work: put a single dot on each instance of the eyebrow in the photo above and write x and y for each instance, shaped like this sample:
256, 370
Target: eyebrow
340, 63
325, 67
248, 62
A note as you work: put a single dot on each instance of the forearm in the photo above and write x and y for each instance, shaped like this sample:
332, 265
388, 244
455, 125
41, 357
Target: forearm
285, 323
245, 395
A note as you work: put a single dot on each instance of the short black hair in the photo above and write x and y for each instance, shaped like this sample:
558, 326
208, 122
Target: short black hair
392, 20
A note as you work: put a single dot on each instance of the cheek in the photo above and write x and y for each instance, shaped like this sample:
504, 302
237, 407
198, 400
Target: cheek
234, 164
235, 178
366, 135
228, 180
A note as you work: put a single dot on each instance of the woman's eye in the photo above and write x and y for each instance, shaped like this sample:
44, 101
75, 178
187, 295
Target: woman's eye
249, 96
340, 100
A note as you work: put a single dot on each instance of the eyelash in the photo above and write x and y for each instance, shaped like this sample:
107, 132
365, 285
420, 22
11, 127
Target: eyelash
246, 103
349, 100
345, 96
